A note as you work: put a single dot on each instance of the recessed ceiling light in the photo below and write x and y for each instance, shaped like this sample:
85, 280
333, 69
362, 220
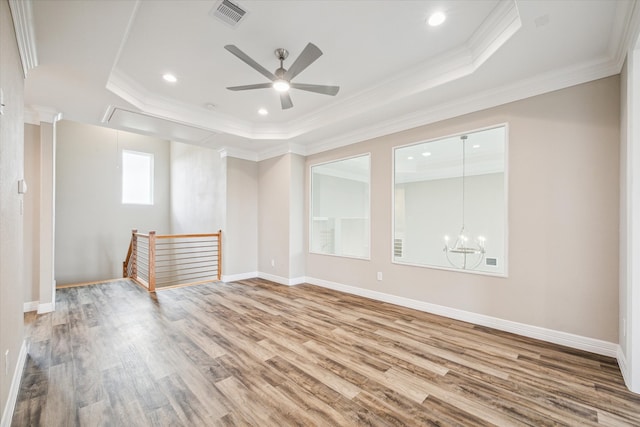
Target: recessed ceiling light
410, 158
426, 154
263, 112
476, 146
436, 19
170, 78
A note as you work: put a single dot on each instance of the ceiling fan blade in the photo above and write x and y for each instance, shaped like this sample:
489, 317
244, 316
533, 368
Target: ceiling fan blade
309, 54
285, 101
253, 64
249, 87
325, 90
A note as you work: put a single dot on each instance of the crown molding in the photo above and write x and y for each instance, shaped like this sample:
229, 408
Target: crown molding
527, 88
625, 30
238, 153
501, 24
129, 90
36, 114
286, 147
22, 15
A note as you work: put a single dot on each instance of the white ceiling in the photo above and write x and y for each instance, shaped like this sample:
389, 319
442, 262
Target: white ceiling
101, 62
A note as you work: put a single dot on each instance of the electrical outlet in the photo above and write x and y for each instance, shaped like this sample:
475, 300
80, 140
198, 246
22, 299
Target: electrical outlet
379, 275
273, 263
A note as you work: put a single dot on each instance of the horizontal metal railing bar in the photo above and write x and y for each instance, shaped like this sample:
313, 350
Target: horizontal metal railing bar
178, 248
213, 278
183, 236
187, 252
166, 273
184, 242
185, 257
187, 249
166, 266
186, 277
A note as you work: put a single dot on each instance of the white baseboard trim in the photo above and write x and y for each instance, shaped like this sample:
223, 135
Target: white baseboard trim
592, 345
10, 406
240, 276
46, 307
282, 280
622, 364
30, 306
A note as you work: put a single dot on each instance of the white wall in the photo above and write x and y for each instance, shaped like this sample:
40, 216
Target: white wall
629, 317
93, 227
11, 219
563, 216
31, 213
198, 189
435, 209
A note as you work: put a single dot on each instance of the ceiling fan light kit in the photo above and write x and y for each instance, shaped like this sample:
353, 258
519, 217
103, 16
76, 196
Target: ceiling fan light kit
281, 78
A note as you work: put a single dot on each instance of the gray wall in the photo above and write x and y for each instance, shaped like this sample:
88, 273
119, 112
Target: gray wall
11, 219
563, 164
240, 236
273, 219
281, 193
93, 227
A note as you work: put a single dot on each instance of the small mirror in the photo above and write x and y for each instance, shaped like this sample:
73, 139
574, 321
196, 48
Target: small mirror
450, 205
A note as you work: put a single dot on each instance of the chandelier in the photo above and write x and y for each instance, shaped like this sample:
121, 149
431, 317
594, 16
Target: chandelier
464, 252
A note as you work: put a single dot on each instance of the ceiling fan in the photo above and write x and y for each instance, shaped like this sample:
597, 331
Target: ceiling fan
281, 78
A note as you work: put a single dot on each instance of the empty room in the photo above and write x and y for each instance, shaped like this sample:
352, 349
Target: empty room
319, 212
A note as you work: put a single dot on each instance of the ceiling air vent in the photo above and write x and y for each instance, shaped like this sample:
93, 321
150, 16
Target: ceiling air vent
228, 12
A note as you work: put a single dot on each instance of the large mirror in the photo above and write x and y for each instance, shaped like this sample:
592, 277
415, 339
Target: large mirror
450, 203
340, 207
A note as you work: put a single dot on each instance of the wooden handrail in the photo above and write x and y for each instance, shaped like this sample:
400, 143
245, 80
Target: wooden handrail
181, 255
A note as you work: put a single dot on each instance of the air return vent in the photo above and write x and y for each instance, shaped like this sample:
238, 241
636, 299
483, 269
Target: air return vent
228, 12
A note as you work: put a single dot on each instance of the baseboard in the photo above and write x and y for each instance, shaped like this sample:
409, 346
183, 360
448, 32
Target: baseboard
46, 308
7, 415
241, 276
30, 306
622, 364
282, 280
557, 337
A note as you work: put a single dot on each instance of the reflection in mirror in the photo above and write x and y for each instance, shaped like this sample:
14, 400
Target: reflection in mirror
340, 207
450, 208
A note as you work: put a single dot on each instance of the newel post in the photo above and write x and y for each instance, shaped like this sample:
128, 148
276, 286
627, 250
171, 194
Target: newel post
219, 254
134, 254
152, 261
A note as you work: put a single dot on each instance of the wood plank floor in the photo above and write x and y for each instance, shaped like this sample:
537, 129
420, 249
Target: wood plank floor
256, 353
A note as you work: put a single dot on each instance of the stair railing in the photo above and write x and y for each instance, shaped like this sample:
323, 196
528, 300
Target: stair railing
162, 261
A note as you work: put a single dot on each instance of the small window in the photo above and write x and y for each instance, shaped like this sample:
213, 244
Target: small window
137, 178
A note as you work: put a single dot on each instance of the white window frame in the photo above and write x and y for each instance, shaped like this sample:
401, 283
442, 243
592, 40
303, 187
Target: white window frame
149, 201
367, 255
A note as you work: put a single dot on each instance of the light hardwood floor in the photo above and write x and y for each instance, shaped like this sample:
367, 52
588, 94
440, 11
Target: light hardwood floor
261, 354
